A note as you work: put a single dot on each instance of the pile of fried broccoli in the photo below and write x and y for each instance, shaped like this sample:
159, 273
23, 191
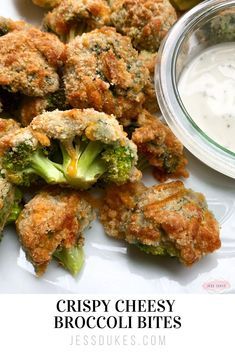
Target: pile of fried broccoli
73, 119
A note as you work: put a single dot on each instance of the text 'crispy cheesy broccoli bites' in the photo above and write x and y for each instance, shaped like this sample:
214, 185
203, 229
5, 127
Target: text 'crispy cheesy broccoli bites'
103, 72
165, 219
74, 17
74, 147
51, 225
29, 60
146, 22
159, 146
48, 4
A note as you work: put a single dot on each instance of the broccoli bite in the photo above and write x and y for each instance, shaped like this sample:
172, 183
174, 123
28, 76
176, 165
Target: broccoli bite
10, 203
159, 146
165, 219
103, 72
149, 61
48, 4
145, 22
51, 225
73, 17
29, 60
75, 148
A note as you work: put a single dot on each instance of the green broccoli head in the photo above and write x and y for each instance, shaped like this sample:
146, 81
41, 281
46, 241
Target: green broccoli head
118, 161
71, 258
26, 159
89, 146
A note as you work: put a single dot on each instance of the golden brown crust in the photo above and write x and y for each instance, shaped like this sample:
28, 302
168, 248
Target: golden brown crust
8, 126
29, 59
73, 17
31, 107
160, 147
149, 61
163, 215
103, 71
145, 22
52, 218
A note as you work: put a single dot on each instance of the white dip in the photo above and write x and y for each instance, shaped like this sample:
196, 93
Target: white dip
207, 90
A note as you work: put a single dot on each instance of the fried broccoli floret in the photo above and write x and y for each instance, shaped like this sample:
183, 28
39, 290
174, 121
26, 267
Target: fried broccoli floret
74, 17
159, 146
184, 5
165, 219
103, 72
10, 203
145, 22
29, 59
48, 4
51, 225
75, 147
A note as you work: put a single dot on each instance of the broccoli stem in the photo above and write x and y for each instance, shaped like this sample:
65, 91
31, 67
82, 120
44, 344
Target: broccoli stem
93, 149
15, 211
46, 169
71, 259
82, 165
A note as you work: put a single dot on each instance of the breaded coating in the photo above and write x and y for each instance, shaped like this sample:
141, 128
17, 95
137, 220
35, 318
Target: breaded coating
53, 218
48, 4
149, 60
103, 71
73, 17
64, 126
160, 147
165, 219
146, 22
29, 60
7, 197
8, 126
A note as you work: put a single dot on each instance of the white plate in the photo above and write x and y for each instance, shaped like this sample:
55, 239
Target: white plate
113, 268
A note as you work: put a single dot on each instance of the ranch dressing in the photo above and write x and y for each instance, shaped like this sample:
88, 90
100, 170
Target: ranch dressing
207, 90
